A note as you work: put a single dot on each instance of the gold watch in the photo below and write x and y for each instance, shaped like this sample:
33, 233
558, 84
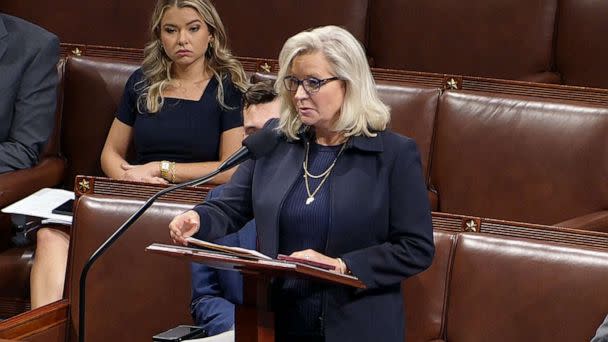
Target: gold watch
165, 168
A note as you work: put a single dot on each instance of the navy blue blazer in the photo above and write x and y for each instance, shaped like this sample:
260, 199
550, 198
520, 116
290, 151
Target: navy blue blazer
214, 291
380, 225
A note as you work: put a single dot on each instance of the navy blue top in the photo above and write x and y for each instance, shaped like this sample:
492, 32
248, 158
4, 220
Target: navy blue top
182, 130
301, 226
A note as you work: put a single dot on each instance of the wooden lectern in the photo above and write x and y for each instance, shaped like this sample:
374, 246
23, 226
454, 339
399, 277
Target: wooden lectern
254, 318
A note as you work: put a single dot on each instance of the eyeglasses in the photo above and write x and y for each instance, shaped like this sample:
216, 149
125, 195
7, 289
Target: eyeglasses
311, 85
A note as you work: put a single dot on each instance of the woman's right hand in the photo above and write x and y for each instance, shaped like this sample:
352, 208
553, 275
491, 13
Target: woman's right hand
184, 226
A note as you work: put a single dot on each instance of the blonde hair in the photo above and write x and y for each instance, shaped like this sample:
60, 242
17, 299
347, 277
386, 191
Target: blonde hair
156, 65
362, 112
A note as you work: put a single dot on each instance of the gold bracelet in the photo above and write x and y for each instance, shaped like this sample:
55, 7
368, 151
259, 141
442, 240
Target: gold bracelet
172, 171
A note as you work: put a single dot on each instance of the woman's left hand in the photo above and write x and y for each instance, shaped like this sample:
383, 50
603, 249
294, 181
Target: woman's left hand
313, 255
149, 173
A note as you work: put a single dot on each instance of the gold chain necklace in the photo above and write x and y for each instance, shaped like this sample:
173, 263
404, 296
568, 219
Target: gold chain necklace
324, 175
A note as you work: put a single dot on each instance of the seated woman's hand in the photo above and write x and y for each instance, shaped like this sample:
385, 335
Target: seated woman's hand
184, 226
148, 173
313, 255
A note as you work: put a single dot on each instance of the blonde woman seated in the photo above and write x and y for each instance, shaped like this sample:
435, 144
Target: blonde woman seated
181, 111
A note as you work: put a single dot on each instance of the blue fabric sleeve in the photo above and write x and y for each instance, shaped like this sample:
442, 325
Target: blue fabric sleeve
127, 109
221, 217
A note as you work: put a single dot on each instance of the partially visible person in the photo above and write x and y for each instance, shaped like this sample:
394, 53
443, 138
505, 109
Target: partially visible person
181, 113
339, 188
261, 104
601, 335
28, 84
215, 292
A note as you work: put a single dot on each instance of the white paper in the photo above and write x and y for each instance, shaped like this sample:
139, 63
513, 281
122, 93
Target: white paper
232, 250
285, 264
41, 204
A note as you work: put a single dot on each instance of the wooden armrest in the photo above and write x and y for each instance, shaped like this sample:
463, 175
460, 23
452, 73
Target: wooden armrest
16, 185
597, 221
49, 321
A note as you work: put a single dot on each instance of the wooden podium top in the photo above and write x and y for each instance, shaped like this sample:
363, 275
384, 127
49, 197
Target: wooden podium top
251, 266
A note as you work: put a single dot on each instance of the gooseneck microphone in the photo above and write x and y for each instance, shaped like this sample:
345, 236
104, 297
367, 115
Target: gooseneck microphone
255, 146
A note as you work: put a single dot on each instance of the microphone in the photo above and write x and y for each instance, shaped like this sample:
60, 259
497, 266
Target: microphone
255, 146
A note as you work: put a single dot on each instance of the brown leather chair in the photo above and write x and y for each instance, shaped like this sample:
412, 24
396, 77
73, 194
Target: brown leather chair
127, 287
510, 39
580, 51
517, 289
413, 113
93, 90
521, 159
423, 295
541, 41
251, 36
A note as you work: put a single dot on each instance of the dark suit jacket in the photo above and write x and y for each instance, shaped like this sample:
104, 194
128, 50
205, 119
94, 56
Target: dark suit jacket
215, 292
380, 225
28, 84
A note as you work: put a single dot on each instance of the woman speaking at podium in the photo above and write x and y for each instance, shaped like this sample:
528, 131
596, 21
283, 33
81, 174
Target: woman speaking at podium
339, 189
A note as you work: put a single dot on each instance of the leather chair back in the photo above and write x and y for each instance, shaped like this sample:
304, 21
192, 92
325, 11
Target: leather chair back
424, 294
511, 289
51, 149
127, 286
92, 92
413, 113
252, 36
466, 38
519, 158
581, 52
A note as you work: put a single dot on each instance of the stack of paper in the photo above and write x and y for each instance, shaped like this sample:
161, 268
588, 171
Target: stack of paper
236, 251
41, 204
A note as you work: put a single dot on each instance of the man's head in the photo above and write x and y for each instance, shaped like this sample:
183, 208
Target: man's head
260, 105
